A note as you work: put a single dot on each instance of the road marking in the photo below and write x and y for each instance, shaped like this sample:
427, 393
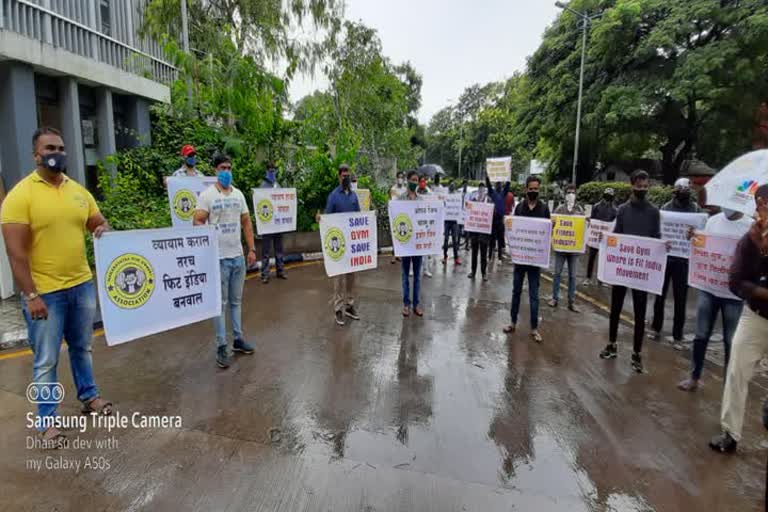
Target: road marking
97, 333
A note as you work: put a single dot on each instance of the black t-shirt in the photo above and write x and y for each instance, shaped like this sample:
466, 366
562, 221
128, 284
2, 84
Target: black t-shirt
541, 210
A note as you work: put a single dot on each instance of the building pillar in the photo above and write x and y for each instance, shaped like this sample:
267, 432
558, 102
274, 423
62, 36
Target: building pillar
71, 128
105, 122
138, 121
18, 121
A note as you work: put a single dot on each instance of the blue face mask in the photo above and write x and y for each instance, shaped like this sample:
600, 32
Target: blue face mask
190, 161
271, 175
225, 178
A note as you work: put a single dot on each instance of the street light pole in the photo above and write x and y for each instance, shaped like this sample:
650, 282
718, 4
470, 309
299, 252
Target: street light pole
185, 42
585, 20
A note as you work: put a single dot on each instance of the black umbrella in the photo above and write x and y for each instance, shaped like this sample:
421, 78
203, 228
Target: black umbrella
430, 170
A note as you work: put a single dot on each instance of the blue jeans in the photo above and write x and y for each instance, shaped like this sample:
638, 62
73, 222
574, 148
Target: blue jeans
534, 275
232, 281
706, 313
560, 259
70, 315
406, 266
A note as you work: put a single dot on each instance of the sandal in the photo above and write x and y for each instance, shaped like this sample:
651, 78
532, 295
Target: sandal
418, 311
536, 336
510, 329
52, 438
97, 406
406, 311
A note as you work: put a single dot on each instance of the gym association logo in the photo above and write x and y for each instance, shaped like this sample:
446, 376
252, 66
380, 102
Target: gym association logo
335, 244
265, 210
130, 281
402, 229
748, 187
184, 202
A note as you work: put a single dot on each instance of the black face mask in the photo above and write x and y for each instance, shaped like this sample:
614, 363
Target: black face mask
532, 195
346, 182
437, 181
640, 194
56, 162
608, 198
683, 197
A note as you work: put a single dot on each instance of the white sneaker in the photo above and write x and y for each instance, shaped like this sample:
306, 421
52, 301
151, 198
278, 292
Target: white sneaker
587, 282
428, 273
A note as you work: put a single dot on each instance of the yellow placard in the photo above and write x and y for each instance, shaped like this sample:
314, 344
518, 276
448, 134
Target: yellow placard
364, 197
569, 233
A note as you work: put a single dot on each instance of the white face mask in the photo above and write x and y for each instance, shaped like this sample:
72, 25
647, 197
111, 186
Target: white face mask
354, 185
399, 182
570, 199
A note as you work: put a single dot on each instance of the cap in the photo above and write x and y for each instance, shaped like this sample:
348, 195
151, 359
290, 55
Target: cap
683, 184
609, 190
187, 150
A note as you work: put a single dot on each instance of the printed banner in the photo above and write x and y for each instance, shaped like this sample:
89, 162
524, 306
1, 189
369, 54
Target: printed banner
568, 233
675, 227
182, 196
364, 198
275, 210
710, 263
417, 227
453, 207
499, 169
528, 240
633, 261
349, 241
478, 217
153, 280
597, 227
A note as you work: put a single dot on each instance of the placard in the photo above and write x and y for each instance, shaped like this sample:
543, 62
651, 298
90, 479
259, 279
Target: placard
499, 169
478, 217
633, 261
417, 227
349, 242
275, 210
153, 280
453, 207
595, 229
675, 227
569, 233
528, 240
710, 263
364, 198
183, 192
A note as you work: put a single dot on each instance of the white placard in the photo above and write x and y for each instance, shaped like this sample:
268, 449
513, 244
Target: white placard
499, 169
528, 240
453, 207
417, 227
675, 227
595, 229
275, 210
710, 264
183, 192
478, 217
349, 242
633, 261
153, 280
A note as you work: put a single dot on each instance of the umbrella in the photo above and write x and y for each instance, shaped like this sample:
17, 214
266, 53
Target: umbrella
734, 187
430, 170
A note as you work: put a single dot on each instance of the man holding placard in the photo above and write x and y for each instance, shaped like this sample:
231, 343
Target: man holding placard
453, 211
568, 209
343, 200
224, 206
44, 220
602, 214
402, 230
271, 240
640, 218
677, 262
530, 207
724, 229
479, 238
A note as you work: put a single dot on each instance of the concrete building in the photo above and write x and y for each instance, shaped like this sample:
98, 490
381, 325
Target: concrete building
82, 67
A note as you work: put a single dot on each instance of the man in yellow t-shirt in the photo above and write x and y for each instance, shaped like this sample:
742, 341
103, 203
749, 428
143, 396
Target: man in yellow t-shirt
44, 221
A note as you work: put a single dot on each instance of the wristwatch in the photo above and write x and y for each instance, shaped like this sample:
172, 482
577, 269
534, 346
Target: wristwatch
31, 296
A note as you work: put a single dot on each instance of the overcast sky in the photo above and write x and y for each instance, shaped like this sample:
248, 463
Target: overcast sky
452, 43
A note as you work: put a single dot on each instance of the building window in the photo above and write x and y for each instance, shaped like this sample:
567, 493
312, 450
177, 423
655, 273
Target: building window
104, 11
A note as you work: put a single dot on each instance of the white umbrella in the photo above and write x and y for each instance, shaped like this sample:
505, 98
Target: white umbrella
734, 187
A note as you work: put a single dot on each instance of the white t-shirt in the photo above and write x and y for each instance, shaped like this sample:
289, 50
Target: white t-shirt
720, 225
224, 212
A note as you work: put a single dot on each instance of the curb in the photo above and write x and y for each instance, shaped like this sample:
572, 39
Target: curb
18, 339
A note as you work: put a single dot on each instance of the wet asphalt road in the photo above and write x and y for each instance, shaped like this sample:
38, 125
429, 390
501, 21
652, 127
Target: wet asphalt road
443, 413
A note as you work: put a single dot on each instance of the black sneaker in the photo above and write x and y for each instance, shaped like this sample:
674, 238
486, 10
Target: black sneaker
340, 317
485, 278
351, 312
282, 276
609, 352
242, 347
637, 362
223, 359
723, 443
265, 279
572, 308
471, 276
654, 335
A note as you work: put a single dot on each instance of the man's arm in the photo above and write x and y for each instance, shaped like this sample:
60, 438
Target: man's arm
17, 240
245, 221
619, 227
97, 224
